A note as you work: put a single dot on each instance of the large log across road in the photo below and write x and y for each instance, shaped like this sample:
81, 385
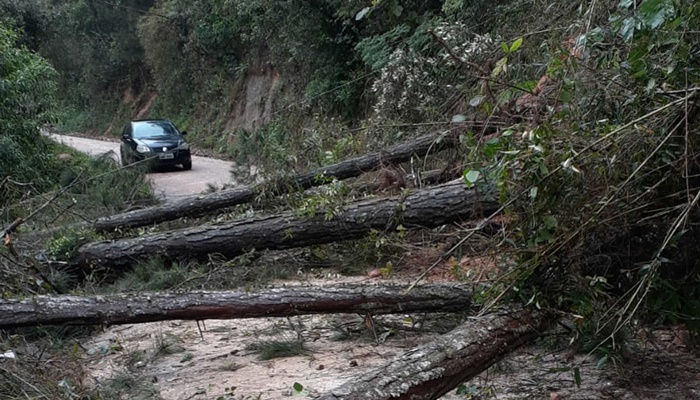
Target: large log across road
430, 207
203, 204
275, 302
431, 370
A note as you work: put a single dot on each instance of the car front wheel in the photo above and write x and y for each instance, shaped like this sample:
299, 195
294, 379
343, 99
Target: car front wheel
187, 166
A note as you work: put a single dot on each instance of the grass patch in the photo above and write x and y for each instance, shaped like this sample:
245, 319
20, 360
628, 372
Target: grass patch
230, 366
250, 270
167, 344
127, 385
270, 349
153, 275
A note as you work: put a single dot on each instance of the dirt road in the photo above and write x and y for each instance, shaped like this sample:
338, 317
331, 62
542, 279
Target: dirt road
170, 183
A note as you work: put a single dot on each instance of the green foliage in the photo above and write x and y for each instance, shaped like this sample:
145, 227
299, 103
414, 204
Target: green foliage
375, 50
165, 55
106, 187
195, 53
298, 388
656, 32
70, 118
95, 47
268, 145
595, 181
212, 45
92, 187
421, 74
28, 89
280, 149
330, 199
64, 245
467, 10
153, 275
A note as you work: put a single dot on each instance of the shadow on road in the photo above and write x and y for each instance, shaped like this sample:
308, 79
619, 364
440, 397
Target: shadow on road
166, 169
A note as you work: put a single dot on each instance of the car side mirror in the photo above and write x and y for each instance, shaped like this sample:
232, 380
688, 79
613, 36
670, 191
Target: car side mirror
183, 133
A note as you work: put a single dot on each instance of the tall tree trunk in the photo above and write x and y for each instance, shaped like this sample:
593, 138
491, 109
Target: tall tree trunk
276, 302
431, 370
194, 206
425, 208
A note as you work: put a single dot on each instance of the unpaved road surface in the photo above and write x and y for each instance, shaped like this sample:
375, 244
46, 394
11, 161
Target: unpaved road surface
183, 364
169, 183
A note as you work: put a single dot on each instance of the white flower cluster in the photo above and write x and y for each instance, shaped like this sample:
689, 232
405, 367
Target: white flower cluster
401, 86
464, 44
412, 84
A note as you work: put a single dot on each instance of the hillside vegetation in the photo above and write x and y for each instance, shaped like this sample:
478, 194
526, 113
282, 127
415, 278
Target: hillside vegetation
579, 118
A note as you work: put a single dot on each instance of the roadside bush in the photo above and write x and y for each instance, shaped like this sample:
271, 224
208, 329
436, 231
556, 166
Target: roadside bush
595, 171
28, 89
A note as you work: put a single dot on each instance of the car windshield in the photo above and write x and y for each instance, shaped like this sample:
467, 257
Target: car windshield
154, 129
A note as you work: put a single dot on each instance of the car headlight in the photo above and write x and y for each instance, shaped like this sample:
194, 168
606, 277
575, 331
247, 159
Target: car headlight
183, 146
143, 149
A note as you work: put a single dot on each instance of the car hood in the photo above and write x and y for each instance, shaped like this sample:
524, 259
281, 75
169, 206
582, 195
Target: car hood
160, 141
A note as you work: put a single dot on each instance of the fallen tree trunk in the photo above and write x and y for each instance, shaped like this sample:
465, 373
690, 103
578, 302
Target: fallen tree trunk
276, 302
426, 208
431, 370
200, 205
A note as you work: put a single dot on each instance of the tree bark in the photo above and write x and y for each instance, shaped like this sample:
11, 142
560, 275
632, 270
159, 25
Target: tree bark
425, 208
202, 204
431, 370
276, 302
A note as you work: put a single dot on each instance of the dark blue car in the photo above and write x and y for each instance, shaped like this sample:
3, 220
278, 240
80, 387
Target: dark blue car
157, 140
